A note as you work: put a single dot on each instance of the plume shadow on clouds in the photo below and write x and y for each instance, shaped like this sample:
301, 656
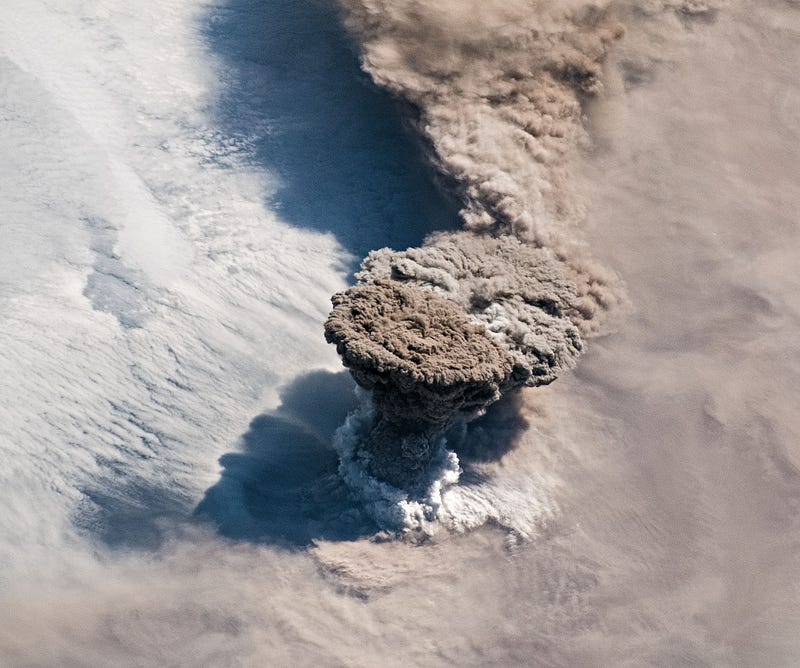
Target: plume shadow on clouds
492, 436
283, 487
294, 93
280, 486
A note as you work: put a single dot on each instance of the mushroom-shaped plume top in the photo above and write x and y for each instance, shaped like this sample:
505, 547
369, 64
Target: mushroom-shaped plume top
420, 354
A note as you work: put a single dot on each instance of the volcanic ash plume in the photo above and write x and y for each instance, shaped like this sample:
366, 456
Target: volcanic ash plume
442, 331
439, 332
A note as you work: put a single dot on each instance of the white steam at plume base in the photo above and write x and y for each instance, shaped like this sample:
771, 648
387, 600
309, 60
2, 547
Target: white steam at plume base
440, 332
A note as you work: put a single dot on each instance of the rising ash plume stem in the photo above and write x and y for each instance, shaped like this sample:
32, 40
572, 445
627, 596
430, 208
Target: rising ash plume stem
438, 333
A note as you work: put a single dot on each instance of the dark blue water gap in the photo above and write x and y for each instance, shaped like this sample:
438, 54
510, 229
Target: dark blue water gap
347, 162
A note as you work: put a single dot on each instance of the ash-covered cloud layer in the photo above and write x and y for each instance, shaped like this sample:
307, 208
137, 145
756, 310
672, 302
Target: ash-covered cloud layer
499, 87
518, 292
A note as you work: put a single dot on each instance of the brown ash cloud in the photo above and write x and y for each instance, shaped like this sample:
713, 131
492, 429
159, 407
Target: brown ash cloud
439, 332
424, 361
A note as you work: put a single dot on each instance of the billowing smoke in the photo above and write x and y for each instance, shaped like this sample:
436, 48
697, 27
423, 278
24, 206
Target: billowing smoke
441, 331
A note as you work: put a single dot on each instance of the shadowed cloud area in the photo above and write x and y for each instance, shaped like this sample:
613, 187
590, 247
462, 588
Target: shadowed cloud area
283, 486
295, 95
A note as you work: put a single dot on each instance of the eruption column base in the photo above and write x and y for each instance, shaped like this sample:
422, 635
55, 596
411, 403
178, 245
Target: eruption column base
399, 452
